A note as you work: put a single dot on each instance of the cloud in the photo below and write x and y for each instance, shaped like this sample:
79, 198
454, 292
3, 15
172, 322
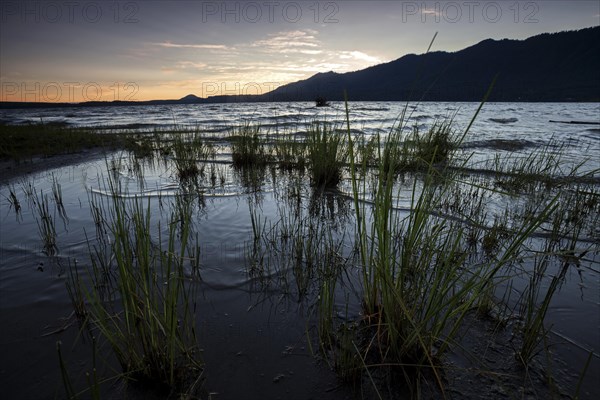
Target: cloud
184, 83
289, 41
191, 46
430, 11
281, 57
183, 65
190, 64
359, 55
301, 51
305, 42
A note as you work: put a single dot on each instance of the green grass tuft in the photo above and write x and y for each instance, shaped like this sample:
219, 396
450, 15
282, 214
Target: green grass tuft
248, 148
327, 153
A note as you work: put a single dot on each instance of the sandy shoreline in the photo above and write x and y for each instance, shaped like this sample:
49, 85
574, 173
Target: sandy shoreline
11, 170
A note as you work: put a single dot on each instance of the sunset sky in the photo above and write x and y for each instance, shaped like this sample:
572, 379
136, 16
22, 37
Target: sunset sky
165, 49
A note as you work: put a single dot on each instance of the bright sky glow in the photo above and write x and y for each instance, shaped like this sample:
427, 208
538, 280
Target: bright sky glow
165, 49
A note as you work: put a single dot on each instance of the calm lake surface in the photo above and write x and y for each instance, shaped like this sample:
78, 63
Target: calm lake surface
257, 332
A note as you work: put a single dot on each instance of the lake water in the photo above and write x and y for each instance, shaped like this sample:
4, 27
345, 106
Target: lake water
257, 336
524, 123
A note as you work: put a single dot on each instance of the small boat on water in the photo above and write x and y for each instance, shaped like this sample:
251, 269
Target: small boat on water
320, 101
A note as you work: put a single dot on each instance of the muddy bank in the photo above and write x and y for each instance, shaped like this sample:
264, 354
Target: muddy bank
11, 170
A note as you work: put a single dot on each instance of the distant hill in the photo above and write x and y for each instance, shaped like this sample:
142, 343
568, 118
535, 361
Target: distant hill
560, 66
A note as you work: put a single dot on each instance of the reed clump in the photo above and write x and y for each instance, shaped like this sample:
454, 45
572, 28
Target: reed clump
46, 223
290, 153
145, 310
410, 150
418, 285
189, 150
248, 147
141, 147
327, 154
13, 200
544, 169
302, 247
